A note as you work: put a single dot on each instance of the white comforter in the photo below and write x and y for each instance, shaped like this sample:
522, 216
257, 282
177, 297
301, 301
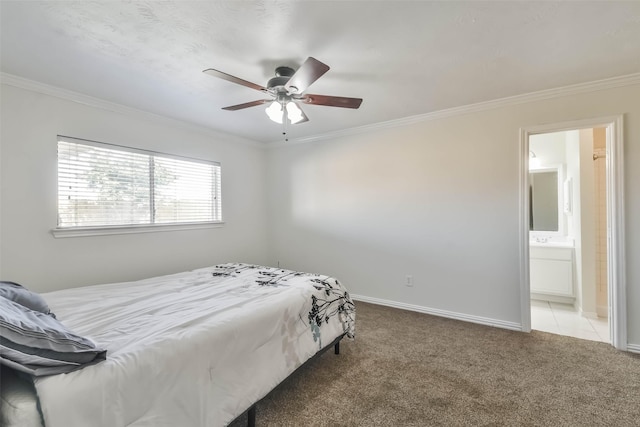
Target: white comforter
190, 349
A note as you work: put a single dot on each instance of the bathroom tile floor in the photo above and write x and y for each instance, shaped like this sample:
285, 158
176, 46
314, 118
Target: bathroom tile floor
563, 319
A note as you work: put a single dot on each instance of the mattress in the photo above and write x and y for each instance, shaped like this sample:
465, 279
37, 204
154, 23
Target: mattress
192, 349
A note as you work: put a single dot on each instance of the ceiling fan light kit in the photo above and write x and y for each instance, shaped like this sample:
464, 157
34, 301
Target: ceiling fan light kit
287, 89
294, 113
275, 112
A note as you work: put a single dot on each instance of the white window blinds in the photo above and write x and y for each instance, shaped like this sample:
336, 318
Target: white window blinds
102, 185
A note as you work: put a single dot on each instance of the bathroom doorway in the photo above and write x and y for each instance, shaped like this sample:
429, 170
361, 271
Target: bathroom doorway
568, 223
571, 258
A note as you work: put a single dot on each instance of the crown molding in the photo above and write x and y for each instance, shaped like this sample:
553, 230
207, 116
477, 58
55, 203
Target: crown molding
80, 98
610, 83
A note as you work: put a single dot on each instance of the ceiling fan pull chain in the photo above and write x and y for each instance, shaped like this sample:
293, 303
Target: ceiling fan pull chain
285, 121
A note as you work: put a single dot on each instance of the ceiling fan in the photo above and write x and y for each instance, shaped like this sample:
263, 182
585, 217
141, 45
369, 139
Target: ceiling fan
287, 91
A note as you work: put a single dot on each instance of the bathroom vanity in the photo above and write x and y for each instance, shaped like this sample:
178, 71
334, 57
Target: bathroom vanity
551, 251
551, 271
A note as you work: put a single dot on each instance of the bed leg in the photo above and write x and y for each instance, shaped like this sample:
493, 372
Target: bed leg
251, 416
336, 348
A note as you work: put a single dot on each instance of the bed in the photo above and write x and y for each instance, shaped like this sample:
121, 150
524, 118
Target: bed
197, 348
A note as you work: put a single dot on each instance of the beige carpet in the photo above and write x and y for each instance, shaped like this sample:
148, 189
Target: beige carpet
412, 369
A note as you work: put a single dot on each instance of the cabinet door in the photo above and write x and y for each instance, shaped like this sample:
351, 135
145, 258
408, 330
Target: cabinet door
550, 276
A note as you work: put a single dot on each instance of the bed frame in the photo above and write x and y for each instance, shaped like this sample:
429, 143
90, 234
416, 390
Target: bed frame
251, 412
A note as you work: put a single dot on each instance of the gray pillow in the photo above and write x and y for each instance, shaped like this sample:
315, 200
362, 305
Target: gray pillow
38, 344
18, 293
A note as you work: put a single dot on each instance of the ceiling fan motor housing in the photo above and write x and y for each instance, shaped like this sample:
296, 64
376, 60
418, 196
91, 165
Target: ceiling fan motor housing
274, 82
283, 74
285, 71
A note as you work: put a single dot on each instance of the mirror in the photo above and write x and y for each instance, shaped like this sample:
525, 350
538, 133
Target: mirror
544, 206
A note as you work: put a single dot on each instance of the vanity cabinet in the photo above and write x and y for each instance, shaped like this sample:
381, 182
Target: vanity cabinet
551, 273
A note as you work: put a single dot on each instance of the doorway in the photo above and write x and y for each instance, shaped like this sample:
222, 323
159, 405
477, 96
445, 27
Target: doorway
565, 286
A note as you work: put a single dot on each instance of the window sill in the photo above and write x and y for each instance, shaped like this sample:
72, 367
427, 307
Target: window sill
131, 229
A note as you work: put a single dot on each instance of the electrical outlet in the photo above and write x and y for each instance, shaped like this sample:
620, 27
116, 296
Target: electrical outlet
409, 280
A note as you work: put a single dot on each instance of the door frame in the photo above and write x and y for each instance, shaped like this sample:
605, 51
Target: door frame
616, 275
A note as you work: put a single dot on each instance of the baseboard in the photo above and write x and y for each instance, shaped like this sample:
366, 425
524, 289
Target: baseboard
589, 314
442, 313
633, 348
602, 311
553, 298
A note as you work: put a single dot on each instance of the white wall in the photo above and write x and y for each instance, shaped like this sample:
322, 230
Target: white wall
573, 171
30, 255
549, 148
432, 200
587, 248
438, 200
575, 224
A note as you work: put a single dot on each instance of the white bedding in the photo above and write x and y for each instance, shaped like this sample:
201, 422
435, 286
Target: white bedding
190, 349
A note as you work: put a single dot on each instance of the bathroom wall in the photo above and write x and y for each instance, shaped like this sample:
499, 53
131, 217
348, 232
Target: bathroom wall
585, 250
599, 151
575, 219
581, 221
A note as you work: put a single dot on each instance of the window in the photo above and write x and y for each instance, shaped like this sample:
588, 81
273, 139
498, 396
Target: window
108, 186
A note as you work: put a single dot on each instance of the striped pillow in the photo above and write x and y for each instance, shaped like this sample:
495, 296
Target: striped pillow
18, 293
38, 344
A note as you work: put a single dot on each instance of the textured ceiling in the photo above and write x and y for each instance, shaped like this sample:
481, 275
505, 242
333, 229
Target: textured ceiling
402, 58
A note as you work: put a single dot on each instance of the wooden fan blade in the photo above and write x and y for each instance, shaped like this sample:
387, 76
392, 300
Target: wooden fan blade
247, 105
233, 79
332, 101
309, 72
